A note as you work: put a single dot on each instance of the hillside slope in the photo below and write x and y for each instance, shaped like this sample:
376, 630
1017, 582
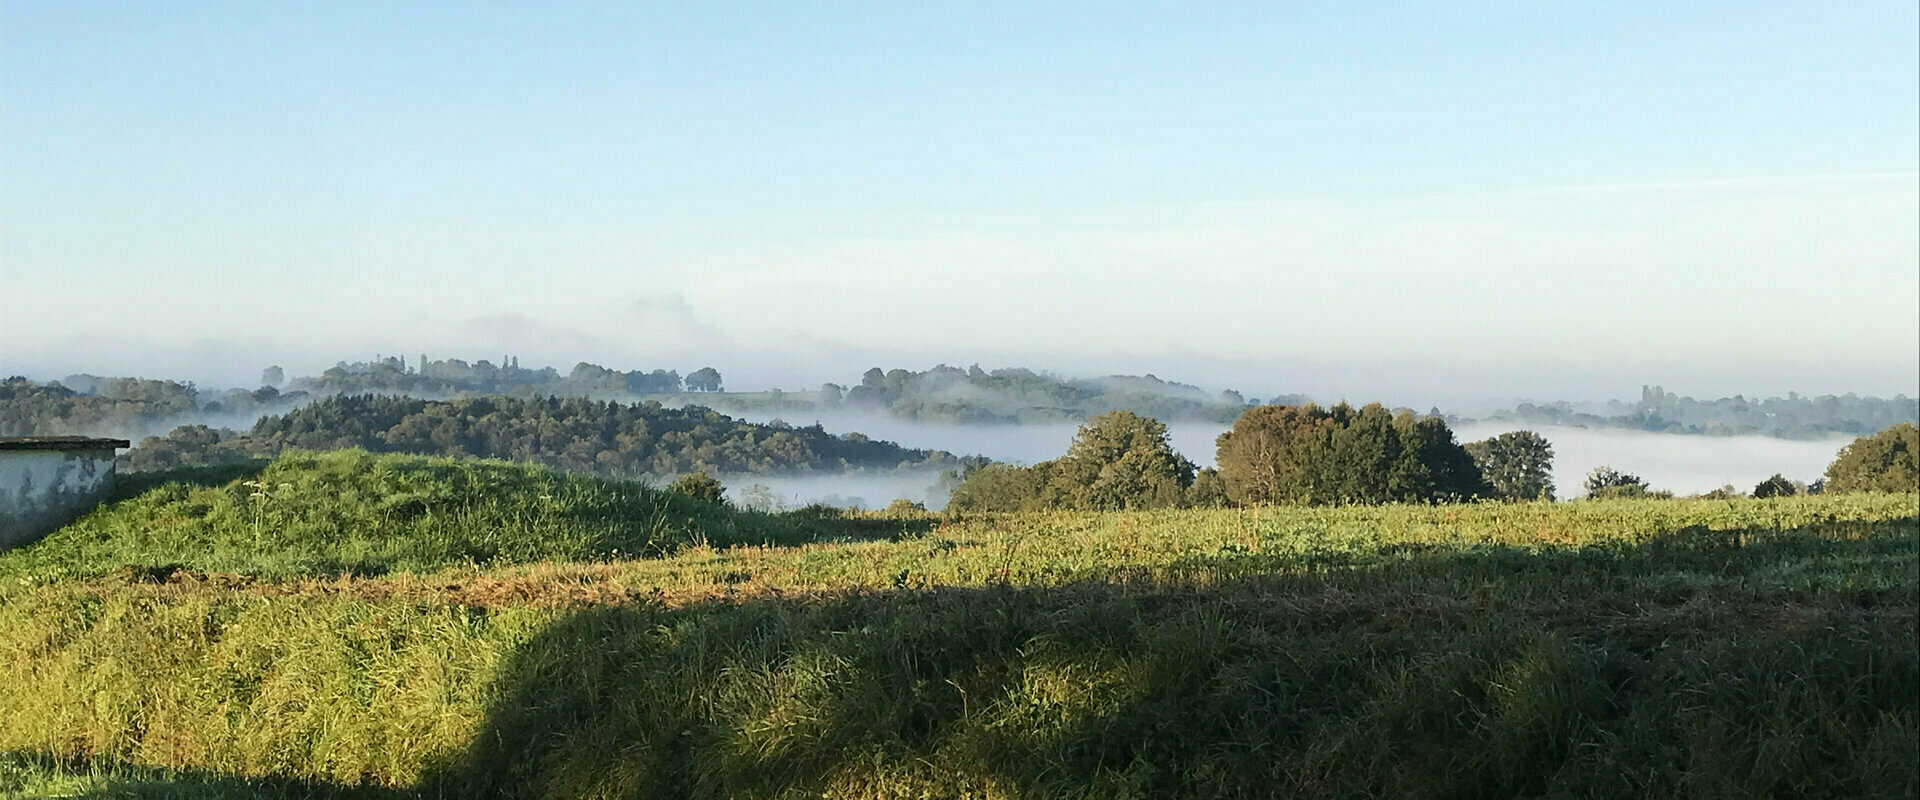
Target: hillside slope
361, 513
1605, 649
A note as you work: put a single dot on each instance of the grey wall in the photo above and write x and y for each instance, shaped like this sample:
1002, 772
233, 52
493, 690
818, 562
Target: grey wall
40, 490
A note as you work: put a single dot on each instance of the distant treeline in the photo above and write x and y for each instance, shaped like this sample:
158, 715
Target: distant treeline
450, 377
940, 394
1790, 417
1017, 395
134, 407
126, 407
137, 407
578, 434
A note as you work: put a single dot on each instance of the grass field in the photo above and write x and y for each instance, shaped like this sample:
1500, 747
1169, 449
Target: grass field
389, 627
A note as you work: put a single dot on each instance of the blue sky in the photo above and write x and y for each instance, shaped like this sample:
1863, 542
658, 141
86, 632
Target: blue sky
1561, 199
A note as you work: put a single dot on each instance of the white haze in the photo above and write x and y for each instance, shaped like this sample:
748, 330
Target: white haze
1678, 463
856, 489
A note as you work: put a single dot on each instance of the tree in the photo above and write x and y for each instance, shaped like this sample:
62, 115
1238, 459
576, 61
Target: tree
1516, 465
1001, 487
1776, 486
273, 376
830, 394
699, 485
1121, 460
1609, 483
704, 379
1308, 455
1208, 490
1269, 455
1888, 461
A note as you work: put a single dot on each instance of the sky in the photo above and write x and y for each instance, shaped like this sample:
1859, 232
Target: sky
1356, 200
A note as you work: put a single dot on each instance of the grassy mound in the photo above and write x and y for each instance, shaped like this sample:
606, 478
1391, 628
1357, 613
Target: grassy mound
359, 513
1631, 649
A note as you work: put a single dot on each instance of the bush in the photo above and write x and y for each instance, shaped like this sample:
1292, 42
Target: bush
700, 486
1776, 486
1607, 483
902, 507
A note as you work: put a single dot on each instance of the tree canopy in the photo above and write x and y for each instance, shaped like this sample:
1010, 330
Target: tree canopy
1117, 461
1516, 465
704, 379
1316, 456
1888, 461
1776, 486
1606, 483
578, 434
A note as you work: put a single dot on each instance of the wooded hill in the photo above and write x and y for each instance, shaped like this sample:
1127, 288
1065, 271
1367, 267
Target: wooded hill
576, 434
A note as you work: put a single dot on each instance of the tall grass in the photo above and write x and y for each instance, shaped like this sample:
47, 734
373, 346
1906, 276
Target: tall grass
1631, 648
358, 513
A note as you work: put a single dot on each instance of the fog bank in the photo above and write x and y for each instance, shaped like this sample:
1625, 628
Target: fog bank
856, 489
1679, 463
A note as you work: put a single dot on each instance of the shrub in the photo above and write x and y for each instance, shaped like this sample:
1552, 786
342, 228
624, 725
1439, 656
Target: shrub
700, 486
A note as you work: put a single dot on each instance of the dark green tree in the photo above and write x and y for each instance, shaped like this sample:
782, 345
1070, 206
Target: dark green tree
1314, 456
699, 485
1121, 460
1208, 490
1516, 465
1608, 483
1776, 486
1883, 462
1001, 487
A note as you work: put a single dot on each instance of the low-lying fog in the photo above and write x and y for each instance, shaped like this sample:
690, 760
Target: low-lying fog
1678, 463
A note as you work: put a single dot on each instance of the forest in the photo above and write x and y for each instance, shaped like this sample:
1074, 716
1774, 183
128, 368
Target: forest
575, 434
941, 394
125, 407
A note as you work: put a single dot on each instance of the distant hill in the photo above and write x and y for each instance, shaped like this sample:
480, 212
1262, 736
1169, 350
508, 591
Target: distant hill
365, 514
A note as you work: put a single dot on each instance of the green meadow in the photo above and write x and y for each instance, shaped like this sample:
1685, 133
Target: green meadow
352, 625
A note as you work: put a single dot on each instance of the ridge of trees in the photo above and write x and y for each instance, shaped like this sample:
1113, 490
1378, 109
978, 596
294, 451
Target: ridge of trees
135, 407
125, 407
602, 437
1019, 395
1790, 417
453, 376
